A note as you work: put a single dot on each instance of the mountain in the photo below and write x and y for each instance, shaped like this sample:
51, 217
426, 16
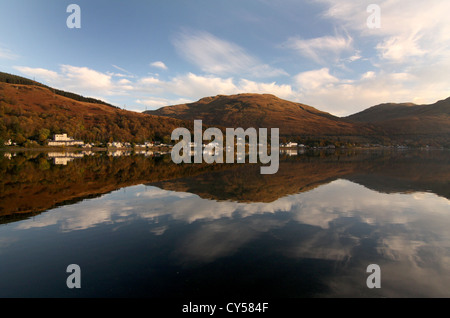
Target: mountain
266, 111
32, 113
392, 111
410, 124
429, 123
14, 79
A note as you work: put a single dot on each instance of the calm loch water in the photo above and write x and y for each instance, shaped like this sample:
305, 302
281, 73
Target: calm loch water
140, 226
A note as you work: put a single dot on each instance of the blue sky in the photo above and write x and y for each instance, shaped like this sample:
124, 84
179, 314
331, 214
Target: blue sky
146, 54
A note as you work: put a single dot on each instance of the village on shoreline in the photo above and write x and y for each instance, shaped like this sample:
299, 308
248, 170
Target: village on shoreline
63, 141
64, 149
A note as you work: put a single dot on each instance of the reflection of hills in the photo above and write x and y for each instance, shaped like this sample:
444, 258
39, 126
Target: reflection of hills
30, 184
246, 184
384, 172
406, 172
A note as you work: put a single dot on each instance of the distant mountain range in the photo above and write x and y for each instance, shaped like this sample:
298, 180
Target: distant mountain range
32, 112
387, 123
408, 118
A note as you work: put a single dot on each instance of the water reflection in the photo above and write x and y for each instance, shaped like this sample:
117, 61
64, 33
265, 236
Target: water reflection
309, 231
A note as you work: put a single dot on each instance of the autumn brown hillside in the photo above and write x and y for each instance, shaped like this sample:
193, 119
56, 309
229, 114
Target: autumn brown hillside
388, 124
266, 111
30, 112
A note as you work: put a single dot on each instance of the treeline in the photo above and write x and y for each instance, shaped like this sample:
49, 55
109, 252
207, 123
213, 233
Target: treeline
30, 116
14, 79
30, 128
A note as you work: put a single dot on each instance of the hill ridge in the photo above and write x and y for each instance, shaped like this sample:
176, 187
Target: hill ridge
31, 114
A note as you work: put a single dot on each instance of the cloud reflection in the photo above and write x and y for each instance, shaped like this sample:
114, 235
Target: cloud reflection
343, 222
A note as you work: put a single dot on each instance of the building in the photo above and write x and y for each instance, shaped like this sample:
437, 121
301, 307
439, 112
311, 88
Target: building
63, 140
118, 144
291, 144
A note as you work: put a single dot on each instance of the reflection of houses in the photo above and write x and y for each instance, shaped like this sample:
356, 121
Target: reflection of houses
211, 151
240, 156
192, 152
290, 145
63, 140
119, 153
289, 152
62, 158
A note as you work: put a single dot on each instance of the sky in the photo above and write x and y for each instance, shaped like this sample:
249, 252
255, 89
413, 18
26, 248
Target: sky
142, 55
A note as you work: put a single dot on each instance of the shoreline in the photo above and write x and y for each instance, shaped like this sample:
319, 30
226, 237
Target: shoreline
104, 149
75, 149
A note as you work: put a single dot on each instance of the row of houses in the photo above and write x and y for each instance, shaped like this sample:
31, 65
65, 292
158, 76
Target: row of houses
63, 140
147, 144
291, 144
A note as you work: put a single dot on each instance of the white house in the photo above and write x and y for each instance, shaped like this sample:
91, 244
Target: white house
291, 144
63, 140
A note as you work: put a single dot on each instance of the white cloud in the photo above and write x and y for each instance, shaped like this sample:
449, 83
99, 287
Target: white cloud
406, 59
150, 91
191, 87
70, 77
149, 81
7, 54
408, 28
343, 97
282, 91
159, 64
399, 49
128, 74
315, 79
322, 49
158, 102
217, 56
85, 78
194, 86
124, 81
40, 74
79, 80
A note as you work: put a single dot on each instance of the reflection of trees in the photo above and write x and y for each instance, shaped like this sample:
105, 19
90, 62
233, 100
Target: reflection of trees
30, 184
381, 171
